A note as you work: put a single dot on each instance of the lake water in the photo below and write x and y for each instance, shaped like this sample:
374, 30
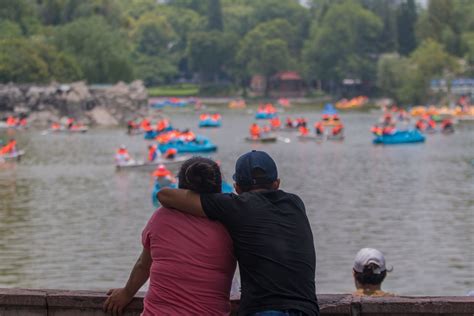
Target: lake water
68, 220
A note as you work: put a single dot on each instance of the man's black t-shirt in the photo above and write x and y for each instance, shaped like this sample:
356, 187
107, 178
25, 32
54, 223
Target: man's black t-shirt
274, 247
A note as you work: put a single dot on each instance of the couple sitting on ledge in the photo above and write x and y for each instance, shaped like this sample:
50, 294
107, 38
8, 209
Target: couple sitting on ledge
192, 243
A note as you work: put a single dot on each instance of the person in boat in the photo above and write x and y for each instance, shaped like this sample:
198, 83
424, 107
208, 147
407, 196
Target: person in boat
369, 271
304, 131
319, 128
170, 153
9, 148
337, 130
289, 123
431, 124
275, 123
11, 121
69, 123
189, 260
55, 126
163, 176
376, 130
23, 122
188, 136
131, 126
204, 116
272, 237
153, 153
387, 119
325, 117
216, 117
420, 125
122, 156
266, 129
255, 130
389, 130
447, 126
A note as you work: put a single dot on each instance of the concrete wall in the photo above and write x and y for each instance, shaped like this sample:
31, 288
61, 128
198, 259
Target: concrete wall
22, 302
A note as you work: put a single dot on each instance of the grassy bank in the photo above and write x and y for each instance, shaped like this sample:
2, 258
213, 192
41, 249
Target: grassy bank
181, 90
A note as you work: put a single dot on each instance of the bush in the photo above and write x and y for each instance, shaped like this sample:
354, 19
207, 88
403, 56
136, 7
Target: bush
217, 89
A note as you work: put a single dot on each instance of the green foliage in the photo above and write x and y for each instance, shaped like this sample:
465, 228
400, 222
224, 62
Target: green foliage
9, 29
101, 51
406, 20
208, 52
266, 50
407, 79
153, 35
22, 60
154, 70
215, 15
341, 46
177, 90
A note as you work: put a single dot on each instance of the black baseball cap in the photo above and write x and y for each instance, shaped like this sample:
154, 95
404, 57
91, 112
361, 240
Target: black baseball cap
251, 161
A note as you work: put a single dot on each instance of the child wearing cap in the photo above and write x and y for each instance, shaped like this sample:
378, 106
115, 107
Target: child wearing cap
272, 238
369, 271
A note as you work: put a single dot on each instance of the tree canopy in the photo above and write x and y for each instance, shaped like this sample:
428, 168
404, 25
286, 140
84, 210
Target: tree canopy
381, 43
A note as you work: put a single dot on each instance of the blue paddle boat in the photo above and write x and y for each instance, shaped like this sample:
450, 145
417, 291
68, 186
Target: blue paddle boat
210, 123
265, 115
153, 133
400, 137
200, 144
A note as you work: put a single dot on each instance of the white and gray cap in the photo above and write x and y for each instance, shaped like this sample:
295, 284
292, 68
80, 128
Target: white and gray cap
366, 256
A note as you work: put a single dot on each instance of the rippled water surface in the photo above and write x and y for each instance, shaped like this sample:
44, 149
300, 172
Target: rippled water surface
69, 220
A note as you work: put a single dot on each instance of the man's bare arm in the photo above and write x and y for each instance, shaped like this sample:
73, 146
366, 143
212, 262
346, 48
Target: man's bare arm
185, 201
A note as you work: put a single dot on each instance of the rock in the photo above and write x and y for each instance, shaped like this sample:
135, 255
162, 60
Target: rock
115, 103
100, 116
42, 118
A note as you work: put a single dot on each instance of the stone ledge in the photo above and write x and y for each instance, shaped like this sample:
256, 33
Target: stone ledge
22, 302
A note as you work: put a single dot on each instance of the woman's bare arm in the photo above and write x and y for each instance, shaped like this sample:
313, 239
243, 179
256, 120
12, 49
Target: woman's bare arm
119, 298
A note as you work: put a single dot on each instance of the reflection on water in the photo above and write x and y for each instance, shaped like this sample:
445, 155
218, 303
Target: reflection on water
69, 220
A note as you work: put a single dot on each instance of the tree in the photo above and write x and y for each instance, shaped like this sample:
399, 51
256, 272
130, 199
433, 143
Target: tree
406, 21
215, 16
255, 54
101, 51
343, 44
23, 60
208, 52
386, 11
153, 35
438, 22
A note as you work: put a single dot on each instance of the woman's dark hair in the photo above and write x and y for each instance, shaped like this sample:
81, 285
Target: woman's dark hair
369, 277
201, 175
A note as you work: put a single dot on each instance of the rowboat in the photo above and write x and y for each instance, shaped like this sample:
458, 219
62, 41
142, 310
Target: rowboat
149, 166
317, 138
13, 156
200, 144
264, 139
81, 129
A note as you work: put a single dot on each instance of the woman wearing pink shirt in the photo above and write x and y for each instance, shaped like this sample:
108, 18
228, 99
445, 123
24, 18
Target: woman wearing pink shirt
189, 259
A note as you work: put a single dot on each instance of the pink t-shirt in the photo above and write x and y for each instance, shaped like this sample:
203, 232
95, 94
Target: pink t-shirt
193, 265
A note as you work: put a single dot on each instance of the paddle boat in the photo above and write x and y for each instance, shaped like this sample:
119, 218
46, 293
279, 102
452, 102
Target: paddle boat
148, 166
265, 115
200, 144
227, 187
151, 134
400, 137
12, 156
208, 120
171, 102
237, 104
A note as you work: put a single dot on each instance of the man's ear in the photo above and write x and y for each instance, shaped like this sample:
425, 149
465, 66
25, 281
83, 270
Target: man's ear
237, 188
276, 184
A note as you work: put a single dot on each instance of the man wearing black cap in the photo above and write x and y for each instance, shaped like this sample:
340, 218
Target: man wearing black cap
272, 237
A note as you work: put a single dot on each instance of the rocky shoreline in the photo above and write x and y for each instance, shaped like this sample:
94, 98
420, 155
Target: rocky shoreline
94, 105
